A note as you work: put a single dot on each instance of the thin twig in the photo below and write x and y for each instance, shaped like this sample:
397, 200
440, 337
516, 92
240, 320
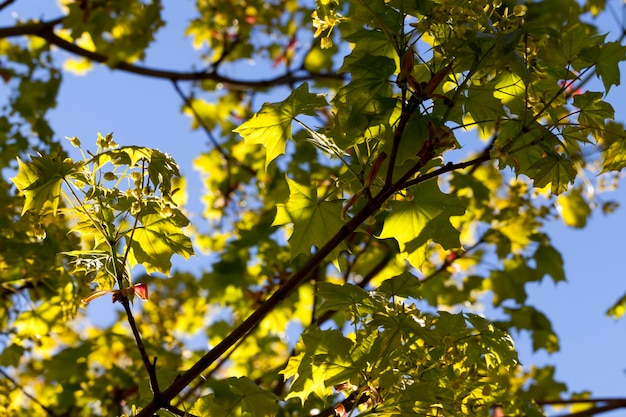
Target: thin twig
34, 399
347, 404
407, 111
178, 412
216, 145
580, 401
449, 167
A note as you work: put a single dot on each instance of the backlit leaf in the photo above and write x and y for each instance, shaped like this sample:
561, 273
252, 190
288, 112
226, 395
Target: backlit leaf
555, 170
271, 126
403, 285
593, 111
606, 58
40, 181
158, 238
314, 221
425, 218
573, 208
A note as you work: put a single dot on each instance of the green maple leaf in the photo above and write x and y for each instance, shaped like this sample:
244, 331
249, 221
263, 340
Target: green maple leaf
529, 318
40, 181
553, 169
483, 106
366, 98
527, 148
341, 297
157, 239
510, 282
574, 209
234, 397
499, 344
161, 166
593, 111
326, 355
549, 261
614, 141
426, 217
271, 126
314, 221
403, 285
606, 59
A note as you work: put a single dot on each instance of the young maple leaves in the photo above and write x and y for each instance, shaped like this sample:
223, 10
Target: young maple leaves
141, 290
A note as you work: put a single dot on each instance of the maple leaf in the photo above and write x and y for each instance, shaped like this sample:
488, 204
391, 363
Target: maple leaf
236, 396
426, 218
40, 181
315, 222
161, 166
330, 354
158, 239
271, 126
593, 111
553, 169
606, 59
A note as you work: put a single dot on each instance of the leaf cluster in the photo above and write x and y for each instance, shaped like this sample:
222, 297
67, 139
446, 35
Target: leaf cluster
355, 222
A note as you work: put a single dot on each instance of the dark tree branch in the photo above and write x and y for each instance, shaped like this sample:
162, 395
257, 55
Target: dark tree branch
6, 3
580, 401
597, 410
449, 167
610, 404
300, 276
150, 366
407, 111
347, 404
45, 30
34, 399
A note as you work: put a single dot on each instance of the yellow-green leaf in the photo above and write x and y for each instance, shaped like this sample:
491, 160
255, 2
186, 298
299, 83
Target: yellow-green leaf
574, 208
158, 239
271, 126
315, 222
426, 217
40, 181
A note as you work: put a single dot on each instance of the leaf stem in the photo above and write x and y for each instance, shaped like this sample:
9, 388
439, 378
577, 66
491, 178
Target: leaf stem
227, 158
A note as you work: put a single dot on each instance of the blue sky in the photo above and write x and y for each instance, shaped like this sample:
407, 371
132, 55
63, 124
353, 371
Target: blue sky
146, 112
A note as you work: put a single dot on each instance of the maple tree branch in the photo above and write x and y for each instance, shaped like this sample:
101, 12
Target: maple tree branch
45, 30
34, 399
449, 167
407, 111
300, 276
579, 401
150, 366
597, 410
6, 3
611, 404
347, 405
